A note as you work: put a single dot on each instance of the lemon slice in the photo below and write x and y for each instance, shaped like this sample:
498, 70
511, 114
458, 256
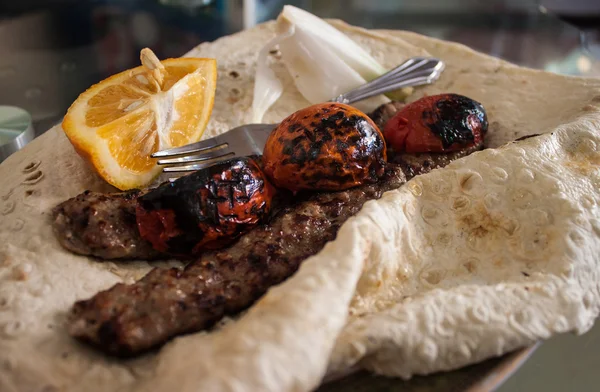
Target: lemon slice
116, 124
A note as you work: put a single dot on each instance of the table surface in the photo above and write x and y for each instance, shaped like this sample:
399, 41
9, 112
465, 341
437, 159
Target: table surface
52, 51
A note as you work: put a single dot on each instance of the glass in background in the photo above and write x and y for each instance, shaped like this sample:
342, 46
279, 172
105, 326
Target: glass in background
518, 31
585, 15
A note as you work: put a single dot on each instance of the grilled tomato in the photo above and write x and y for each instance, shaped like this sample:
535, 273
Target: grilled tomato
438, 123
329, 146
206, 209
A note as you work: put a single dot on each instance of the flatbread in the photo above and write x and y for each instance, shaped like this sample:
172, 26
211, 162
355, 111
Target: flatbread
492, 253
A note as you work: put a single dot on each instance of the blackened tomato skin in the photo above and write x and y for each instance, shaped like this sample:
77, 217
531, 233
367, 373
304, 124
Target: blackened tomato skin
206, 209
437, 123
329, 146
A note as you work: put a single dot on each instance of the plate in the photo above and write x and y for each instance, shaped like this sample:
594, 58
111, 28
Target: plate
485, 376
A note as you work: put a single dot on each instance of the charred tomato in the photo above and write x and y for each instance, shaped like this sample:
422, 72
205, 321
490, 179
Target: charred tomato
328, 146
437, 123
206, 209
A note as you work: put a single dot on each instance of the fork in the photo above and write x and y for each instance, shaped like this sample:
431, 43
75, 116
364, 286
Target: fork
250, 139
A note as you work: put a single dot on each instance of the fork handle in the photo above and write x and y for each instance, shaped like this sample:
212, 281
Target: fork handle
415, 71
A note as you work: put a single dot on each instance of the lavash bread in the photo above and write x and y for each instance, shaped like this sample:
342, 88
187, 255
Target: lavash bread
417, 282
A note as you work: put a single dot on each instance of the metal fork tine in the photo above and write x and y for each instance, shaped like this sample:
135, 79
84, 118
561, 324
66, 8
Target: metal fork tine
212, 154
196, 166
250, 139
190, 148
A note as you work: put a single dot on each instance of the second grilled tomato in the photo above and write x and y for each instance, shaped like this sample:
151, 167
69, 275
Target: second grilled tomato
206, 209
437, 123
329, 146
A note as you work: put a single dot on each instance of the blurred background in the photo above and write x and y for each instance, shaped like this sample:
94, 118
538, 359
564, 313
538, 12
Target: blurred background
52, 50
